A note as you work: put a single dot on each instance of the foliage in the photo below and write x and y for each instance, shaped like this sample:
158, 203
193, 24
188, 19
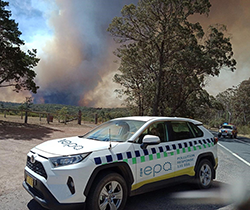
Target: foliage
236, 103
245, 130
15, 65
241, 103
165, 59
62, 114
88, 113
226, 99
28, 103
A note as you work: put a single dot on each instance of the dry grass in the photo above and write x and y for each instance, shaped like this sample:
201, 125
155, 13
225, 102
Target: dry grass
13, 127
40, 121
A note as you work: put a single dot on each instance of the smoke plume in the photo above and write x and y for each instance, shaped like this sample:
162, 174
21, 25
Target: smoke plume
79, 58
235, 15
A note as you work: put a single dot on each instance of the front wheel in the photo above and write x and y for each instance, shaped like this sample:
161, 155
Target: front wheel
108, 193
204, 174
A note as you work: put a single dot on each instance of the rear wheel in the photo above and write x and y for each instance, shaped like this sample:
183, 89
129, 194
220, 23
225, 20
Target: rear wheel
108, 193
204, 174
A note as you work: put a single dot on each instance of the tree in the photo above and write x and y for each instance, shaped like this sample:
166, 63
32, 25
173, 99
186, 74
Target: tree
62, 114
165, 58
241, 103
15, 65
226, 98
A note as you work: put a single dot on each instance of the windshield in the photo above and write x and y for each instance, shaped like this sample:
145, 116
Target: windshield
227, 127
117, 130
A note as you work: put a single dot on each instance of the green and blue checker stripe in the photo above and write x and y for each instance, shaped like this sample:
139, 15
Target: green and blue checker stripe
137, 156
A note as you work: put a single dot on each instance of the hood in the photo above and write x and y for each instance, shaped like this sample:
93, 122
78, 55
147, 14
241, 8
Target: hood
70, 146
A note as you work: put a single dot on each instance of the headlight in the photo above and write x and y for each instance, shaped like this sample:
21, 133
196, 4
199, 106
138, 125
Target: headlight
68, 160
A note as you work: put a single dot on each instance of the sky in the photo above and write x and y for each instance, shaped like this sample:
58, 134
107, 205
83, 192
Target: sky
77, 61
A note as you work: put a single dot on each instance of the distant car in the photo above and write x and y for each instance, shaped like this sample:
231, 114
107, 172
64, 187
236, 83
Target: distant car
228, 130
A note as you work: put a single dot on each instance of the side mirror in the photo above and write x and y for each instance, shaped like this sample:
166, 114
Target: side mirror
150, 140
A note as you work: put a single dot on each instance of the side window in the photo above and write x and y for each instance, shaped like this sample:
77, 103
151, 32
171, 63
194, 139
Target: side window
180, 130
157, 129
197, 132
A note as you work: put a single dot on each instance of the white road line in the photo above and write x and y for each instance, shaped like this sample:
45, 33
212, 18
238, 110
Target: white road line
242, 142
235, 155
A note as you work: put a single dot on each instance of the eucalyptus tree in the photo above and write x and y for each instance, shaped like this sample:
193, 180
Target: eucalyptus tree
227, 98
165, 58
241, 103
16, 66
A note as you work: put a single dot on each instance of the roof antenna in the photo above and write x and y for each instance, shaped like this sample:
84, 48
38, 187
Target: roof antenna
110, 146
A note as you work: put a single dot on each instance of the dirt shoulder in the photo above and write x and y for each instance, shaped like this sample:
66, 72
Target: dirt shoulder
16, 139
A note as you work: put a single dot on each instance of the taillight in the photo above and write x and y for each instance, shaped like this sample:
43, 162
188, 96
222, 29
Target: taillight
215, 140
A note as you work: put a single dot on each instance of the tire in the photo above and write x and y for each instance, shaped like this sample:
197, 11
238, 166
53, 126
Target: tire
109, 192
204, 174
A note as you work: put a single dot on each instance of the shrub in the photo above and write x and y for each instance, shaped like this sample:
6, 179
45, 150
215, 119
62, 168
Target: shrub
244, 129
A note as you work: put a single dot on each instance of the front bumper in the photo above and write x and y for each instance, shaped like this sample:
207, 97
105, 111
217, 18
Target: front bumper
43, 196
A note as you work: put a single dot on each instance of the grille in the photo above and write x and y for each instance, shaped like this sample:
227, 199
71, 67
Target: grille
37, 167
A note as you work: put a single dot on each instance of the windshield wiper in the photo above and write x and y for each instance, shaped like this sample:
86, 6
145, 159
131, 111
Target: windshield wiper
92, 138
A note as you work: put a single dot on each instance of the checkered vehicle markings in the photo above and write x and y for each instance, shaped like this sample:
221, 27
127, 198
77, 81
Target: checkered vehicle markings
140, 156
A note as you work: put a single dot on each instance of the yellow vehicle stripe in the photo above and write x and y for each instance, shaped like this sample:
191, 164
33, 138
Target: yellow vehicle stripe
187, 171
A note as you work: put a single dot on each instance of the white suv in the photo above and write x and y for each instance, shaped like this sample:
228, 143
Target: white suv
120, 158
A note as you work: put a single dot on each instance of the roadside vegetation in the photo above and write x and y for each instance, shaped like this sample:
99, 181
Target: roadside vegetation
60, 111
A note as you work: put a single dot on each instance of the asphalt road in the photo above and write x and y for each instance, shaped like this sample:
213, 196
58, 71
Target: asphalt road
240, 147
229, 190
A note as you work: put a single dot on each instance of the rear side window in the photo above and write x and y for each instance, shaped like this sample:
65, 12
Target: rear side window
180, 130
197, 131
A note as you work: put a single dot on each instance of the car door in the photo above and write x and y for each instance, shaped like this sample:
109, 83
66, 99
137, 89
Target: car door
156, 162
186, 141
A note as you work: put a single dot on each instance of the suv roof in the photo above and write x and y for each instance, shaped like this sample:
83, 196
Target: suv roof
156, 118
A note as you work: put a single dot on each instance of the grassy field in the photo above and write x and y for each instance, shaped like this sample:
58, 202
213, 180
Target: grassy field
39, 121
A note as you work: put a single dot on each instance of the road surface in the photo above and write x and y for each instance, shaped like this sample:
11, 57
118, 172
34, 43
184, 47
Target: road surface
228, 191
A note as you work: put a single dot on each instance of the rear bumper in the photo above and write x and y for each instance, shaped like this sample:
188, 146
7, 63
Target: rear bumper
44, 197
225, 134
